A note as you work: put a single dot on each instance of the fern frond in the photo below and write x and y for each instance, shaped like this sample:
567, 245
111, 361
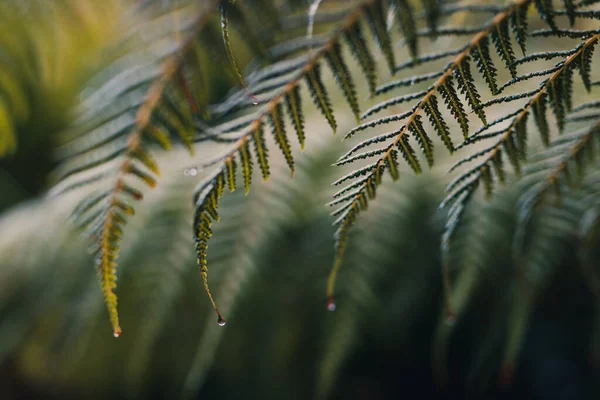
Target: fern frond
576, 152
207, 195
512, 139
457, 70
162, 113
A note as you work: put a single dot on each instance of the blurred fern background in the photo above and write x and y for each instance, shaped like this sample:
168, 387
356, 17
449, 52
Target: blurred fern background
529, 330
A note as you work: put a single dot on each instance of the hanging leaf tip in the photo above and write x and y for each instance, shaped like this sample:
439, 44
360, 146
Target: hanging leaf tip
330, 303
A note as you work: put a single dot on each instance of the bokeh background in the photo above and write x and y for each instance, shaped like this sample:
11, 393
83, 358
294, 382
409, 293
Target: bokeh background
268, 261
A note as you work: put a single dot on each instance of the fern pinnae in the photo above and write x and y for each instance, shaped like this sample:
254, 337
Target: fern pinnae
319, 95
501, 39
546, 11
451, 99
374, 13
545, 55
277, 125
522, 78
481, 54
518, 23
556, 96
585, 106
585, 63
580, 146
343, 77
355, 174
422, 138
111, 231
159, 116
362, 54
482, 136
246, 166
230, 168
425, 58
407, 82
463, 74
392, 102
224, 7
406, 18
376, 122
570, 11
360, 156
438, 122
509, 98
516, 130
292, 101
472, 157
481, 132
209, 194
366, 143
570, 33
499, 30
259, 146
433, 11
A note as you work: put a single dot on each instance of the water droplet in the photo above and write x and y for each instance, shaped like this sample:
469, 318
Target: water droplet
253, 98
451, 318
330, 304
190, 171
117, 333
221, 321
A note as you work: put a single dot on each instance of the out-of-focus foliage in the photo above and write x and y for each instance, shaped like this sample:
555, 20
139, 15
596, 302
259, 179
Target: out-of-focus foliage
157, 93
484, 313
48, 49
268, 275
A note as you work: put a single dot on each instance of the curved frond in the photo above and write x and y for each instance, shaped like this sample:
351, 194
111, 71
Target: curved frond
287, 90
455, 75
123, 119
512, 139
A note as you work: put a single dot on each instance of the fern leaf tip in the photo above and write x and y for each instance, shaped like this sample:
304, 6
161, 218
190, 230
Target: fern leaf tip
331, 303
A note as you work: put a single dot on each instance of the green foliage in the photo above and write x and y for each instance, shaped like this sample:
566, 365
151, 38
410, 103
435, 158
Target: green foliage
163, 88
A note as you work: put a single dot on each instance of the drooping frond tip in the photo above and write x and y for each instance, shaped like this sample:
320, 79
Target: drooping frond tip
206, 205
273, 113
164, 108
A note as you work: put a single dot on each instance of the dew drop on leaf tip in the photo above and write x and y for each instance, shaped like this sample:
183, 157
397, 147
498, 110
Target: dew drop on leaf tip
221, 321
117, 333
190, 171
330, 304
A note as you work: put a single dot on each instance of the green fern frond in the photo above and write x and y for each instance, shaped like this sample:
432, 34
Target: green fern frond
164, 110
511, 140
287, 89
457, 70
